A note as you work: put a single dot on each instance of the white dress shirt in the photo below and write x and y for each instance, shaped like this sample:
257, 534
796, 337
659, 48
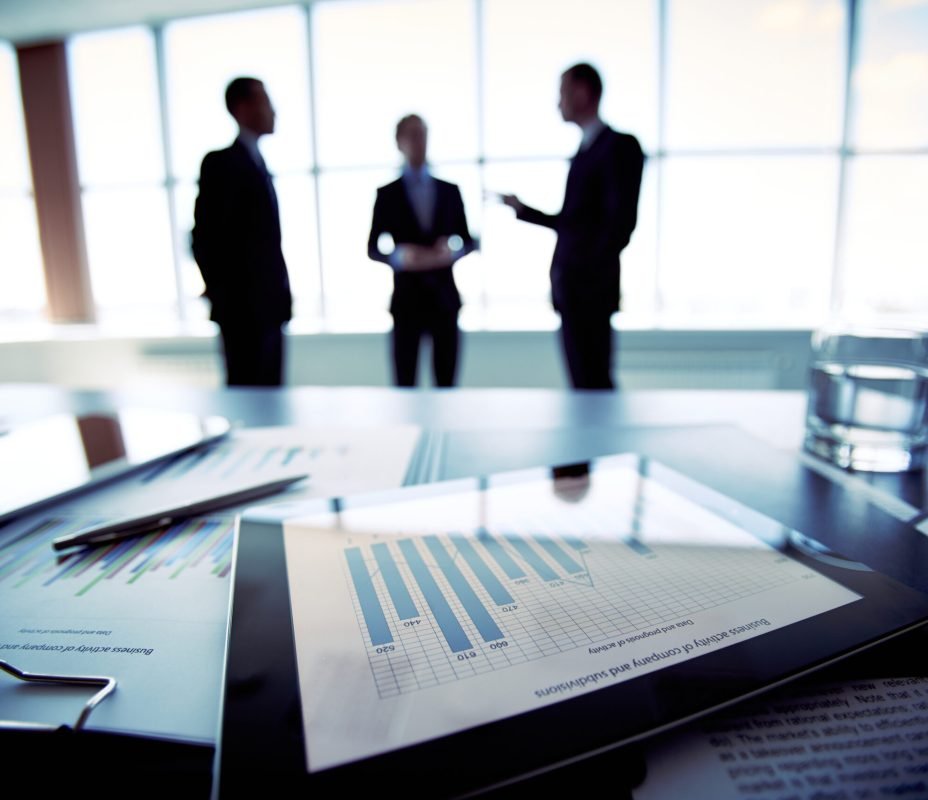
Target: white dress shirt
420, 186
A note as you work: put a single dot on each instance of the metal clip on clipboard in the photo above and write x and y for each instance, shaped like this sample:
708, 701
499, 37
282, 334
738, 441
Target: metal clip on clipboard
56, 757
107, 687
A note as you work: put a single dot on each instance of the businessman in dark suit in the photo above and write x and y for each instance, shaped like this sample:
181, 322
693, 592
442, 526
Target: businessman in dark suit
596, 222
419, 229
236, 244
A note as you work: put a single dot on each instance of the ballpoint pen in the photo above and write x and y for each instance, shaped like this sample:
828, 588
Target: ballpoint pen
135, 526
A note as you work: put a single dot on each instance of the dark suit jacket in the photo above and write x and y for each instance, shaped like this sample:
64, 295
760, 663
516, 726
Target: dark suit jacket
596, 222
420, 294
236, 241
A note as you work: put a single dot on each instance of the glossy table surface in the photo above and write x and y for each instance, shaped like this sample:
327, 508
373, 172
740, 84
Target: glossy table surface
478, 417
487, 430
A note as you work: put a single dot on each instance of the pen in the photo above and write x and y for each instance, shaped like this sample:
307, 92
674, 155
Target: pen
134, 526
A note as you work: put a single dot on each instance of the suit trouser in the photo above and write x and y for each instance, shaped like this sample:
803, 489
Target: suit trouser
408, 331
254, 353
586, 336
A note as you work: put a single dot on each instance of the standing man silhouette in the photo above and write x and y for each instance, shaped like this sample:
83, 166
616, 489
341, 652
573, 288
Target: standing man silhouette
236, 244
424, 218
596, 222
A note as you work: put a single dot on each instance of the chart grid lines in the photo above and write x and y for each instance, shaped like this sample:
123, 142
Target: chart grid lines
552, 549
475, 609
377, 629
450, 626
518, 616
395, 584
495, 549
484, 574
532, 558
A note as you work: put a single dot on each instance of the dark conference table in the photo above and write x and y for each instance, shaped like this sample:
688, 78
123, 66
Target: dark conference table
742, 443
481, 430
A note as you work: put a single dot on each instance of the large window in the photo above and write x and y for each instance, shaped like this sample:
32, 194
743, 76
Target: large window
886, 239
884, 247
21, 275
201, 56
122, 173
748, 238
785, 176
528, 43
376, 61
890, 79
756, 74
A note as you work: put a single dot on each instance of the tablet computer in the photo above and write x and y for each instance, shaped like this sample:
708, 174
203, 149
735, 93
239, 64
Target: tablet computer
50, 458
445, 639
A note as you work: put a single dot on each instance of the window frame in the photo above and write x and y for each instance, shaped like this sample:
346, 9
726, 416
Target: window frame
482, 307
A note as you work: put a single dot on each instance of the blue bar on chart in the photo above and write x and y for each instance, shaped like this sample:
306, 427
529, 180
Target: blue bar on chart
193, 461
374, 618
268, 455
577, 544
639, 547
215, 457
162, 467
237, 465
399, 594
474, 607
500, 556
535, 561
484, 574
553, 549
444, 616
292, 453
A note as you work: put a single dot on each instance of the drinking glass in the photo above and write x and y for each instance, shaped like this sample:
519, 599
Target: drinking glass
868, 398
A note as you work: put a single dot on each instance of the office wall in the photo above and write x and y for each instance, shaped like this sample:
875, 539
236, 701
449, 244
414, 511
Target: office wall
82, 357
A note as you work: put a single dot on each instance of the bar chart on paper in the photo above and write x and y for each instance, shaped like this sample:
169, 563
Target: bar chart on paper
336, 461
188, 549
144, 609
439, 608
233, 459
442, 610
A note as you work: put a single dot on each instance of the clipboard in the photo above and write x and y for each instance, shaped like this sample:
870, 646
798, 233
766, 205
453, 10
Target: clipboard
59, 756
267, 732
105, 685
